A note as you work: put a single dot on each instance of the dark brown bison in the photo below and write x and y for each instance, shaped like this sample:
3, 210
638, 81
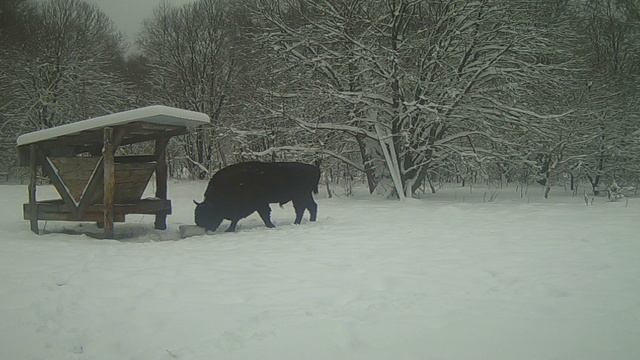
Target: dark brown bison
237, 191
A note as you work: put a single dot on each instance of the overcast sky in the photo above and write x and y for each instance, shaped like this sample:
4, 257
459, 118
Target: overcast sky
129, 14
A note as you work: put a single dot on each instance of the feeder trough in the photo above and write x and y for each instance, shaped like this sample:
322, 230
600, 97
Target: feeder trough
93, 182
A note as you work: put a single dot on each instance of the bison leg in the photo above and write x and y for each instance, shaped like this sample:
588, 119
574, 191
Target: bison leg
265, 215
232, 227
313, 208
306, 203
299, 208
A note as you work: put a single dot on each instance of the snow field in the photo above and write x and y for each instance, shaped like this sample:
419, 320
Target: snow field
438, 278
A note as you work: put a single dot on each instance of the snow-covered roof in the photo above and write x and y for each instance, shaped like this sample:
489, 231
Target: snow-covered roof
157, 114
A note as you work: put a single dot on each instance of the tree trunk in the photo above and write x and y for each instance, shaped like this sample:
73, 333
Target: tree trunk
433, 189
392, 163
326, 181
223, 158
369, 170
595, 182
549, 174
572, 179
422, 175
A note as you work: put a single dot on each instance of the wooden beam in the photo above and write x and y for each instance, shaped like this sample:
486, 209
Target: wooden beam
90, 191
48, 212
55, 178
89, 217
118, 135
33, 178
23, 155
161, 179
85, 145
109, 181
47, 208
176, 132
83, 138
111, 140
135, 159
153, 136
160, 128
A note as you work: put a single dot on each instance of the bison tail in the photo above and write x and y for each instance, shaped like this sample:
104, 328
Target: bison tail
315, 189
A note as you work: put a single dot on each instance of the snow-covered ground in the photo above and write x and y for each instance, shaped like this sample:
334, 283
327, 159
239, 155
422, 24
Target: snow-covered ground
447, 277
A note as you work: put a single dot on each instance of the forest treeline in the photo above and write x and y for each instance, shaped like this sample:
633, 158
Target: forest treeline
400, 94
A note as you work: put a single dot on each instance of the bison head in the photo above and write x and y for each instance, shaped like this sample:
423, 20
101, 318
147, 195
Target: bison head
207, 215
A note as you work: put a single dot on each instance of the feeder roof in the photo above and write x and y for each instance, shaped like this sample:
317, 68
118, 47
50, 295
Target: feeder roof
151, 120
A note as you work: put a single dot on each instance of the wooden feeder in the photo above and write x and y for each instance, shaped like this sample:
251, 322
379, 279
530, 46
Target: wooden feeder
94, 184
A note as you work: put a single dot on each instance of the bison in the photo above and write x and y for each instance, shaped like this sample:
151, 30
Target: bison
237, 191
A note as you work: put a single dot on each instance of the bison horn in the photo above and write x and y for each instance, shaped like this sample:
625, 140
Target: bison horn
197, 203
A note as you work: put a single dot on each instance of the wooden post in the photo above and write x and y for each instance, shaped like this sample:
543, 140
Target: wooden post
108, 151
33, 178
161, 180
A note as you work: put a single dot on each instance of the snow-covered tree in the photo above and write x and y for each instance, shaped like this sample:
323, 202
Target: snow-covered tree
191, 64
58, 61
426, 80
612, 46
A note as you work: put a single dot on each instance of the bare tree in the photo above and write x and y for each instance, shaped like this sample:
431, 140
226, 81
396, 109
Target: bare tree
429, 78
612, 45
58, 61
191, 65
